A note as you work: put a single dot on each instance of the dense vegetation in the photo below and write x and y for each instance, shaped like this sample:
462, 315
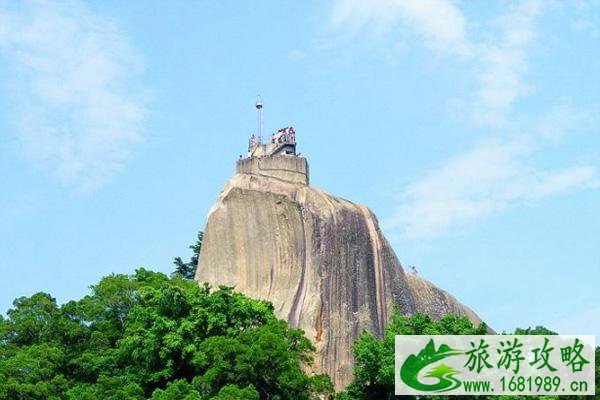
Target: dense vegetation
188, 269
374, 369
148, 336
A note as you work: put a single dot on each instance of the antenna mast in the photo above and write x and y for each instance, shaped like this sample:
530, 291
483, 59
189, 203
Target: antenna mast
259, 106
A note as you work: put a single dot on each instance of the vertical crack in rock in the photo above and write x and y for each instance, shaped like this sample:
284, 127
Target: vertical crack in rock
382, 312
319, 325
296, 310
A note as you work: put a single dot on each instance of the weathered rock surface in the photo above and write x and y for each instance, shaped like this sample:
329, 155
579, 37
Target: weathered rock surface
435, 302
321, 260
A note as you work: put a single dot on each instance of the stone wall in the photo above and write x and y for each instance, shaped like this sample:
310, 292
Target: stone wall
288, 168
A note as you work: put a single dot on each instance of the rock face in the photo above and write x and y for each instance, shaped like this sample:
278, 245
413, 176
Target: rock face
433, 301
321, 260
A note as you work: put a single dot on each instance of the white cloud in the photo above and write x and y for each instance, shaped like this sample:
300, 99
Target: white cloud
73, 77
496, 174
504, 64
491, 177
439, 22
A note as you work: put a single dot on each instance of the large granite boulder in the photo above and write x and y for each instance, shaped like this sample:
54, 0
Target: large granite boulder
321, 260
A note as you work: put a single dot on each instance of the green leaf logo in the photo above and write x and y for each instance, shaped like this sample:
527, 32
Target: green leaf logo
413, 365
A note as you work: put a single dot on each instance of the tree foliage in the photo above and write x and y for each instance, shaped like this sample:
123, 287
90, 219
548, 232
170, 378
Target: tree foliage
148, 336
188, 269
374, 357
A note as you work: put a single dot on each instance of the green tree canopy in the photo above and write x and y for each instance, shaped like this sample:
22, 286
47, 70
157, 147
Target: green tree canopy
188, 269
374, 357
148, 336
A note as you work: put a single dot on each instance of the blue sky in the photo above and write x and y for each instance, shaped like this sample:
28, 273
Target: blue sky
472, 129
